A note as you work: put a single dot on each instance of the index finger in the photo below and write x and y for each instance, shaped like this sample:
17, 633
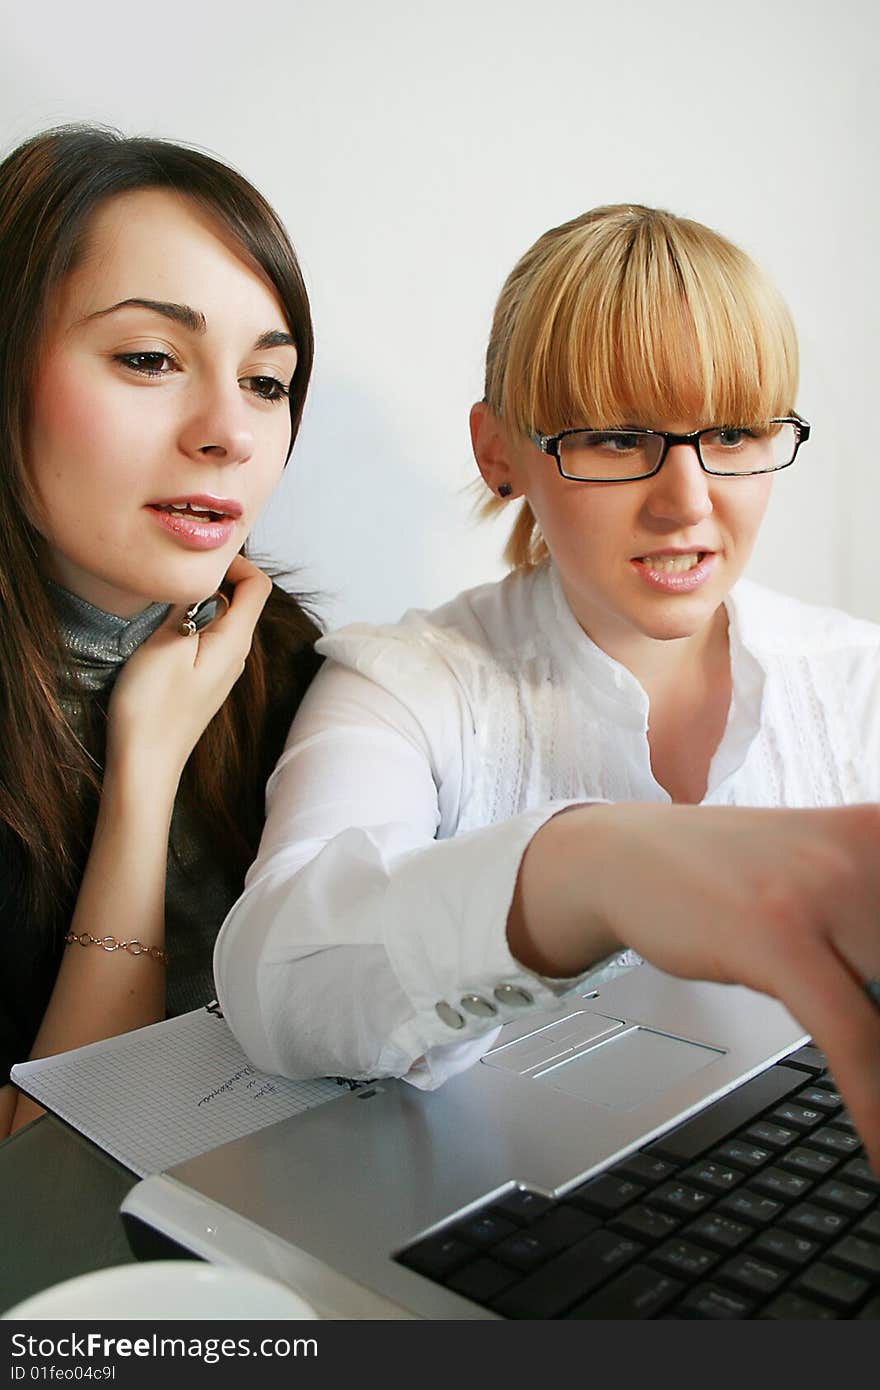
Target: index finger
241, 569
251, 588
845, 1023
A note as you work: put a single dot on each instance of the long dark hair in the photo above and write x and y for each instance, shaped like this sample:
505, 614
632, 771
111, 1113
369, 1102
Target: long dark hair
49, 189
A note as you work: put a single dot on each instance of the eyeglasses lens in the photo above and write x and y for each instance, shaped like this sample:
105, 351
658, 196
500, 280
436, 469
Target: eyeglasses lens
609, 455
749, 451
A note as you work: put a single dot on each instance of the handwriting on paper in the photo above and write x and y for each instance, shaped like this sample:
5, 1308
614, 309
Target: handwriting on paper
245, 1079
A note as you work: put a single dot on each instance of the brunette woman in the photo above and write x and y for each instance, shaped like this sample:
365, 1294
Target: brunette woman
155, 352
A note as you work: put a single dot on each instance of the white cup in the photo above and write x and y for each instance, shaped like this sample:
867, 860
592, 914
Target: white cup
165, 1290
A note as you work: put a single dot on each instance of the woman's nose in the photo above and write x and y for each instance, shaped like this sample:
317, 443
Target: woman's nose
217, 428
681, 491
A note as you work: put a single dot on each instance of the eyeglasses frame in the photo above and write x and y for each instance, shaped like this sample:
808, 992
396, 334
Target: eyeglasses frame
549, 444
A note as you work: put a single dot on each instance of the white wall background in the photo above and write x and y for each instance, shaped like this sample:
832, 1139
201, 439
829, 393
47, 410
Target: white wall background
415, 150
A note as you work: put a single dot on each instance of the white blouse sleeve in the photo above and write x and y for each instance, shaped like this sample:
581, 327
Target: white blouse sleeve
363, 945
862, 684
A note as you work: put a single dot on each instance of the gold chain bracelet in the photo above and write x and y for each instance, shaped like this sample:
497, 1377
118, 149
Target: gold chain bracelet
110, 943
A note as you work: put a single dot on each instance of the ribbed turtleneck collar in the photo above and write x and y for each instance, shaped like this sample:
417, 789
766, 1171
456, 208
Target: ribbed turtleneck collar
97, 642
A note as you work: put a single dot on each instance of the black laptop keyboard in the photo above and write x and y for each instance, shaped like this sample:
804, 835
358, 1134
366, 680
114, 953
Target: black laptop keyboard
761, 1206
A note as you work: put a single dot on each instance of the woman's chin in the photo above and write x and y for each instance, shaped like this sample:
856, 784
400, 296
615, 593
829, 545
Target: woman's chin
677, 619
185, 584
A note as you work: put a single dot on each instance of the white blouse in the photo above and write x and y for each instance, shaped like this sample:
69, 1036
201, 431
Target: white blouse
371, 936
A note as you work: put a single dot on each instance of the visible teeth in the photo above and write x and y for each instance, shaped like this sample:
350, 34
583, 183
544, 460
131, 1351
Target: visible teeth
671, 564
191, 509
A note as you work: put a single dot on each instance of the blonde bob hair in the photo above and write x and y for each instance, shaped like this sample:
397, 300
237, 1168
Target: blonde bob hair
629, 315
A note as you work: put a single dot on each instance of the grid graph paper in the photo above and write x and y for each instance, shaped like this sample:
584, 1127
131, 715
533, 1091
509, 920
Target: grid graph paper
165, 1093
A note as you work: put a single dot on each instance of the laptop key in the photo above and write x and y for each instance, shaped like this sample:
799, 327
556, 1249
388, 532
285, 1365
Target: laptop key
842, 1196
530, 1247
521, 1205
606, 1194
813, 1221
684, 1258
715, 1229
797, 1116
523, 1251
830, 1139
710, 1301
553, 1288
638, 1293
826, 1081
869, 1226
645, 1168
644, 1223
775, 1182
793, 1306
752, 1275
563, 1226
819, 1098
750, 1206
482, 1280
857, 1171
859, 1255
483, 1229
832, 1285
680, 1199
807, 1058
844, 1121
437, 1256
784, 1247
718, 1177
809, 1161
742, 1155
732, 1112
773, 1136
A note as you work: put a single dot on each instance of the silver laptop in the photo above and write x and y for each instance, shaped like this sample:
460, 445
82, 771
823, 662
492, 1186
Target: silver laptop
360, 1204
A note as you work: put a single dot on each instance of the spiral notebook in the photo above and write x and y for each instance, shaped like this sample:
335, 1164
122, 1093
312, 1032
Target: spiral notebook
166, 1093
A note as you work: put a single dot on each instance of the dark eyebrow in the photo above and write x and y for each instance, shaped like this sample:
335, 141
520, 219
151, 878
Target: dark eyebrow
275, 339
180, 313
192, 319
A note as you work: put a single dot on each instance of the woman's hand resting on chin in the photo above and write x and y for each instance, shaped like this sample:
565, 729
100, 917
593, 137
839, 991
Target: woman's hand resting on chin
171, 688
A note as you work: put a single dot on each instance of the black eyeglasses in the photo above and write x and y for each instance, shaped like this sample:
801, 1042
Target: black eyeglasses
622, 456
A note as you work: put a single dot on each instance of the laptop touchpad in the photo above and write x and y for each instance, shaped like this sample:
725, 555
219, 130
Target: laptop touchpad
550, 1043
628, 1067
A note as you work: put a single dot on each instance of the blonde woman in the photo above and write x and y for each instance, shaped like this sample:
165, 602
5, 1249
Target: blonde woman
417, 884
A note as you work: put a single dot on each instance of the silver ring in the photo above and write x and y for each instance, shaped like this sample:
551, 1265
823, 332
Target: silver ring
200, 614
872, 989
